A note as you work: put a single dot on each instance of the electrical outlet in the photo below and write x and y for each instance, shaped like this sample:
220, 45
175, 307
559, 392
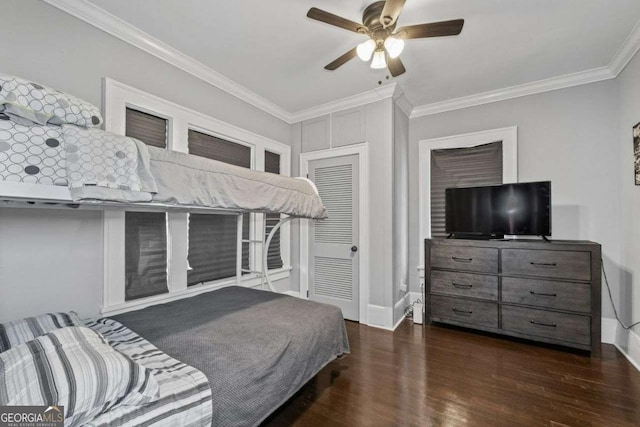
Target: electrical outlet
403, 286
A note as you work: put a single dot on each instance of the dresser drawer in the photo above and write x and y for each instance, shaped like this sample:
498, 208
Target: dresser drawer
463, 311
547, 294
465, 258
572, 328
570, 265
464, 284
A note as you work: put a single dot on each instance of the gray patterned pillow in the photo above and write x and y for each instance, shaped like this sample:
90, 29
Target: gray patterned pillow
76, 369
32, 154
23, 330
23, 101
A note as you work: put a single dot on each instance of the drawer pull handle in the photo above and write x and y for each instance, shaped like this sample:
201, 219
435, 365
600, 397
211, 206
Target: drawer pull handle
544, 264
455, 258
542, 294
455, 310
461, 286
548, 325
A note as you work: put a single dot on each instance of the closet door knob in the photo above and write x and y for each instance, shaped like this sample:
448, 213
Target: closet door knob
354, 249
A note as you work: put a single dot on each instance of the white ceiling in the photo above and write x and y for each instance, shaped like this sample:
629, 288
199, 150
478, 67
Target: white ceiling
274, 50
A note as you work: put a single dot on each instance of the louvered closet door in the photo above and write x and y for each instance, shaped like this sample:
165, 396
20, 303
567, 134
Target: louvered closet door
334, 253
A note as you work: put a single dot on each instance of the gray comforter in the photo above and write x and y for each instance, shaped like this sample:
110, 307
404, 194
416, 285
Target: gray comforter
256, 348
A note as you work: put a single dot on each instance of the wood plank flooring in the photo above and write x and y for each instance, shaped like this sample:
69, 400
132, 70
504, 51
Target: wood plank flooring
436, 376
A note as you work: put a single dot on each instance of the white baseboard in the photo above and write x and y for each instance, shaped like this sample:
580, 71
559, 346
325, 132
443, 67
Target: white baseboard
399, 309
292, 293
628, 342
380, 317
608, 330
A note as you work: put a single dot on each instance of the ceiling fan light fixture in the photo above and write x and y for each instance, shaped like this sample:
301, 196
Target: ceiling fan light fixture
365, 50
379, 60
394, 46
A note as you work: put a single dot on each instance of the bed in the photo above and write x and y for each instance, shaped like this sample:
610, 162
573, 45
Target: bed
256, 348
228, 357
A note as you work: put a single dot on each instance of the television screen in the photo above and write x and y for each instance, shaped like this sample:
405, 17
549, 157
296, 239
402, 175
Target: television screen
515, 209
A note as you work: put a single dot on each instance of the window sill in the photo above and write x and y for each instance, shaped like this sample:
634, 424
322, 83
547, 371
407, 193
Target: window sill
249, 281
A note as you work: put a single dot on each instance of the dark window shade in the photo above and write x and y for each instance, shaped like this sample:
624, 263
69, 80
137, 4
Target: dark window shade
212, 248
147, 128
212, 238
145, 232
274, 259
461, 167
211, 147
145, 254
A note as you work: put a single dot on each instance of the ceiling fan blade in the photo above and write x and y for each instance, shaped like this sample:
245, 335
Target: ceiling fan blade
395, 66
342, 60
435, 29
335, 20
391, 11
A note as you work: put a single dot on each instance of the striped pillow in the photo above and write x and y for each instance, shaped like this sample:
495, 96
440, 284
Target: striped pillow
75, 368
23, 330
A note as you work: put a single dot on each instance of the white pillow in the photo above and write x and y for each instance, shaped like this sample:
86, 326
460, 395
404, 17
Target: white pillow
23, 330
23, 100
76, 369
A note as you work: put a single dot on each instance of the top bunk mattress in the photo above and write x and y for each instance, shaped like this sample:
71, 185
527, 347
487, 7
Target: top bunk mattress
76, 158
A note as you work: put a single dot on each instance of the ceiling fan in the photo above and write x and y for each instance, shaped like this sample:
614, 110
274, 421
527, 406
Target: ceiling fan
385, 43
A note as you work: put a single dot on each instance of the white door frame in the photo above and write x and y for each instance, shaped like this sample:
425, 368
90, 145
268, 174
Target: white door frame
509, 138
362, 151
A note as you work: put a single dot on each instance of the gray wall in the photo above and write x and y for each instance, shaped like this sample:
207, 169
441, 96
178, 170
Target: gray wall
567, 136
627, 296
52, 259
400, 209
376, 128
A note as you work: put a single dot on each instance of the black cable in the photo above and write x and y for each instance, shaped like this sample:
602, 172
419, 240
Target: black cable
606, 281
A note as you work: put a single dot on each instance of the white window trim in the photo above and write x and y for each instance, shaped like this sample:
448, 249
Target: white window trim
118, 96
362, 151
509, 138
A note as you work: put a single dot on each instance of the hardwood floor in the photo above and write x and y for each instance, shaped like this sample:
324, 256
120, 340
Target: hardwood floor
438, 376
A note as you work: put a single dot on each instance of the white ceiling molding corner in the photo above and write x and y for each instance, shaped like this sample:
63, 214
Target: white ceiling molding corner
540, 86
626, 52
111, 24
403, 102
377, 94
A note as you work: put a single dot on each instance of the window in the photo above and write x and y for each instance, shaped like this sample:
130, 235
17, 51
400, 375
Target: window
159, 256
149, 129
212, 238
274, 257
461, 167
145, 232
145, 254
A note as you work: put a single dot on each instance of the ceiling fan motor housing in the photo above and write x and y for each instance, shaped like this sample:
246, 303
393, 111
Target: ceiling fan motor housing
371, 19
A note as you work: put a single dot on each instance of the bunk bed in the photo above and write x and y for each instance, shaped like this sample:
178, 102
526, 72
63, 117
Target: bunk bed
244, 351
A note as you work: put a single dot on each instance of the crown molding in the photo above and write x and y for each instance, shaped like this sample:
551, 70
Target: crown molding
377, 94
111, 24
621, 59
626, 52
540, 86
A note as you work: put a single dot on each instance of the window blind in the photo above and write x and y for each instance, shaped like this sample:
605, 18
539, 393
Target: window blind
461, 167
145, 232
145, 254
147, 128
274, 258
212, 238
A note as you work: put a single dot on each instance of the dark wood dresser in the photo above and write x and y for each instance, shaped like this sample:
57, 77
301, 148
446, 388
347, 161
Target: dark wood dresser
541, 291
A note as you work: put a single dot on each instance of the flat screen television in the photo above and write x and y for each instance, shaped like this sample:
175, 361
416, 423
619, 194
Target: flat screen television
493, 211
